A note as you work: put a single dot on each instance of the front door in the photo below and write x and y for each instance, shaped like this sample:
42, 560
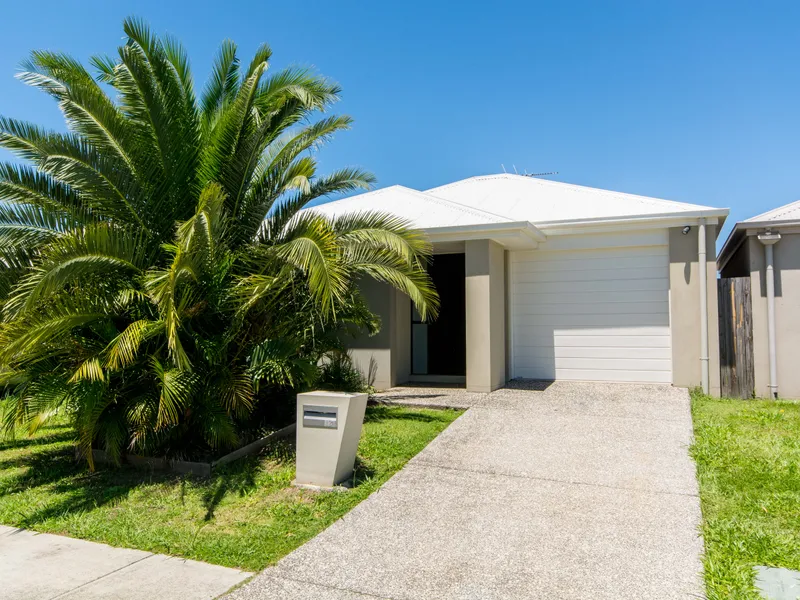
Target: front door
440, 347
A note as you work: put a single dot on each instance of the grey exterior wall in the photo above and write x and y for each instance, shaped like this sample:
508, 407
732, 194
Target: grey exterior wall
787, 314
486, 315
684, 296
391, 347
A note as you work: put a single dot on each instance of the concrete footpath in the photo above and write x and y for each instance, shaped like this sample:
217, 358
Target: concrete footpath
567, 491
40, 566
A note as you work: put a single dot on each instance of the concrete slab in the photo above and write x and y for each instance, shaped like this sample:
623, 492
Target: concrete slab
661, 402
778, 584
36, 566
443, 397
159, 576
612, 451
265, 587
585, 495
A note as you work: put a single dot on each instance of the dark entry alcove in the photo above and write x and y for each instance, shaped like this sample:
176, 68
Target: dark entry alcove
439, 347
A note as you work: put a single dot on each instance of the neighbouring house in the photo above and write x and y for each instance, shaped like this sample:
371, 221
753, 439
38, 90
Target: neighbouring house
547, 280
766, 249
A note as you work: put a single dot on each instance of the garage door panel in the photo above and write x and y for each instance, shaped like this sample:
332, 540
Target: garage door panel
595, 341
525, 353
545, 255
584, 275
599, 315
597, 308
590, 287
589, 264
603, 322
580, 297
606, 364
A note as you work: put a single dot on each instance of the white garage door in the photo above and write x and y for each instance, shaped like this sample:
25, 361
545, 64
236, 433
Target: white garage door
591, 315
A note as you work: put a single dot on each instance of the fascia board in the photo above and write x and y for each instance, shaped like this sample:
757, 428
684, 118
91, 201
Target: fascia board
713, 217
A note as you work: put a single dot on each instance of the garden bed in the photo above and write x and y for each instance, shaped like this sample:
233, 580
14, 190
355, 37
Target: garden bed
748, 464
201, 469
245, 515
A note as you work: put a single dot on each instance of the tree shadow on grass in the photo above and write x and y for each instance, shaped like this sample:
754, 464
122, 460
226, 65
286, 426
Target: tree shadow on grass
60, 434
72, 486
239, 477
362, 472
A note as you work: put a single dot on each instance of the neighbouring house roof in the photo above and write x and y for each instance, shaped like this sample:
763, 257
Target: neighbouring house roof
783, 216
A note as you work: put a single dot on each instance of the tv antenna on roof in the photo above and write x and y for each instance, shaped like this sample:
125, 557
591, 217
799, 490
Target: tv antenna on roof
540, 174
526, 174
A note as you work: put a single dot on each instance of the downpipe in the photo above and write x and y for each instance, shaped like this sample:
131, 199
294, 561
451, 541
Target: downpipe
703, 272
769, 239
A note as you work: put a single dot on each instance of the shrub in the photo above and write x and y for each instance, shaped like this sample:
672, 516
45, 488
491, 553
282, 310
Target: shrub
159, 279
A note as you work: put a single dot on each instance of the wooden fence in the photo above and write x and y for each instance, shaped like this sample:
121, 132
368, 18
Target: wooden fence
737, 374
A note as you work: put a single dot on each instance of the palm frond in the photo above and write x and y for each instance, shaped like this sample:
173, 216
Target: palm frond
123, 350
310, 245
90, 252
177, 388
90, 370
389, 267
341, 181
21, 184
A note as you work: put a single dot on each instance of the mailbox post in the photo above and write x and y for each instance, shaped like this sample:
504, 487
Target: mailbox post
328, 431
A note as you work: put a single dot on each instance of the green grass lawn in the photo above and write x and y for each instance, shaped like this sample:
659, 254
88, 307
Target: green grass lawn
247, 515
748, 461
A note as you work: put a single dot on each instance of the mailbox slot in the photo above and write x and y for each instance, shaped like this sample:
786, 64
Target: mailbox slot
325, 417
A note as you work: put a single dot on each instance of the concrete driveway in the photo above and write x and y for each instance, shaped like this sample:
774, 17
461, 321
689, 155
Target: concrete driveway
568, 491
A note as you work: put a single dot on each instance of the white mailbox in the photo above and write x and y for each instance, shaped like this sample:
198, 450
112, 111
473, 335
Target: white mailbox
328, 432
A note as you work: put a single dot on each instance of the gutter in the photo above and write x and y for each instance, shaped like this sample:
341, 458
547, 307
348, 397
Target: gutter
713, 216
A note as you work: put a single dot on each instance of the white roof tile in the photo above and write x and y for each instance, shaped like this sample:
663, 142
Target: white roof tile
507, 198
522, 198
423, 210
788, 212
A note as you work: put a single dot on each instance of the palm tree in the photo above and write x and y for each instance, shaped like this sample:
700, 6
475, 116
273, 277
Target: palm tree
158, 274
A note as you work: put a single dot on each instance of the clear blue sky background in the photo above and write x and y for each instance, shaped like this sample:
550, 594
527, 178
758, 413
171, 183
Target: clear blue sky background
691, 101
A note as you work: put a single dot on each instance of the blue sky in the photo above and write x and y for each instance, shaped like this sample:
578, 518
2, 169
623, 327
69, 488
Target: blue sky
690, 101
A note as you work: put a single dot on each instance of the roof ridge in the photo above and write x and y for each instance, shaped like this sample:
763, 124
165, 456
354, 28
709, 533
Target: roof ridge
583, 189
460, 181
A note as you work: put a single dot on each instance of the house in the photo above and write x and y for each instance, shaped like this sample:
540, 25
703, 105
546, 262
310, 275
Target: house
766, 249
547, 280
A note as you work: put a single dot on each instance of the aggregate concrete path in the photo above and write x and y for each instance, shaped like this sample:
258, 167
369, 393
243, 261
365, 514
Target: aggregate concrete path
567, 491
40, 566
